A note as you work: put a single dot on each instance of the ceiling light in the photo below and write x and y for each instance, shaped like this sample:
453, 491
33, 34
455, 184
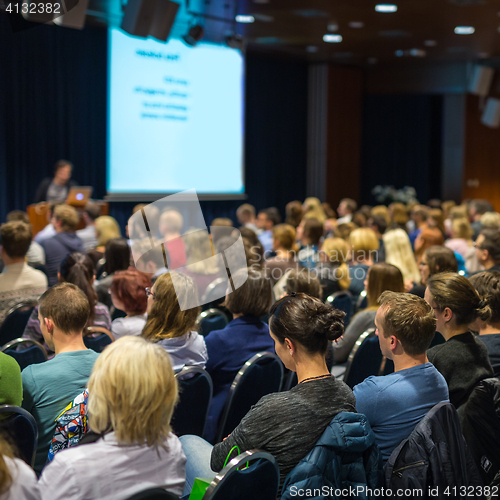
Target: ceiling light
430, 43
399, 53
240, 18
356, 24
194, 35
329, 38
464, 30
386, 7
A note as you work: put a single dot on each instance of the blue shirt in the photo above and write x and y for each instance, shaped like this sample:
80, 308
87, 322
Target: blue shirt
395, 403
266, 238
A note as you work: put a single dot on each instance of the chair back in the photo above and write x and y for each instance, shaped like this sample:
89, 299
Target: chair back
262, 374
343, 301
210, 320
215, 291
15, 321
289, 380
97, 344
365, 359
154, 494
259, 480
195, 395
362, 301
21, 427
33, 354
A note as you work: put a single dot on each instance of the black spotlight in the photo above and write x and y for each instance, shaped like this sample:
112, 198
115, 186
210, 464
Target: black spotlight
194, 35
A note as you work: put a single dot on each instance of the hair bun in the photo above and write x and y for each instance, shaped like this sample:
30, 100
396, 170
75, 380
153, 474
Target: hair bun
328, 322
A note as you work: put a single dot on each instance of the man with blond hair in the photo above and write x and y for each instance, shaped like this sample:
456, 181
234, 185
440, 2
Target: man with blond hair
64, 242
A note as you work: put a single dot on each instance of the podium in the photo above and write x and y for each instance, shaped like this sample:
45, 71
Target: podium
37, 213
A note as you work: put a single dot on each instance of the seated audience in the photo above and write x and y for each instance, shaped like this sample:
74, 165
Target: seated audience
477, 209
76, 268
152, 261
116, 258
246, 217
254, 254
333, 270
64, 242
399, 216
395, 403
49, 230
11, 387
462, 359
309, 234
487, 285
488, 249
88, 235
57, 187
420, 216
266, 220
294, 213
106, 229
171, 222
490, 220
128, 294
380, 277
229, 349
346, 208
132, 394
35, 255
378, 223
312, 209
49, 387
284, 247
303, 281
364, 246
399, 253
171, 325
427, 238
435, 219
461, 238
285, 424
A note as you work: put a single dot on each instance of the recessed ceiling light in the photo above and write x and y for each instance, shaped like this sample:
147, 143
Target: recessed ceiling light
464, 30
329, 38
312, 49
240, 18
399, 53
356, 24
430, 43
386, 7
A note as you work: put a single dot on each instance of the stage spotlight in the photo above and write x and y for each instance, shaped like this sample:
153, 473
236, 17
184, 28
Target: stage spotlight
194, 35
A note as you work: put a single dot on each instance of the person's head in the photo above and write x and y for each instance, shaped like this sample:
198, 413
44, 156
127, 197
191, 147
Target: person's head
446, 206
437, 259
405, 324
382, 277
171, 222
294, 212
428, 237
461, 228
91, 212
106, 228
311, 231
420, 214
78, 269
15, 241
304, 281
301, 325
313, 210
133, 391
66, 218
335, 252
490, 220
329, 211
248, 234
254, 297
398, 252
398, 213
359, 219
479, 207
18, 215
378, 223
117, 255
268, 218
199, 252
344, 230
245, 214
127, 291
459, 212
222, 222
487, 284
50, 211
455, 302
62, 171
149, 259
364, 244
381, 211
166, 319
346, 206
436, 219
283, 237
254, 254
63, 311
488, 247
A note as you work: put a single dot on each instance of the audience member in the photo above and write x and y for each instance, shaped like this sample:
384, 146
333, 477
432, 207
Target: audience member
428, 237
106, 229
88, 234
487, 285
490, 220
11, 387
333, 270
171, 325
171, 223
399, 216
303, 281
378, 224
246, 217
395, 403
127, 292
285, 424
382, 211
294, 213
435, 219
64, 242
313, 210
364, 246
150, 260
329, 211
462, 359
476, 209
266, 220
309, 234
461, 238
344, 230
57, 187
49, 387
49, 230
35, 255
346, 208
229, 349
380, 277
132, 394
285, 248
488, 249
254, 254
420, 216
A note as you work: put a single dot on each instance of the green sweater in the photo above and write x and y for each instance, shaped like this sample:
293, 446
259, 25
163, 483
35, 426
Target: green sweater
11, 387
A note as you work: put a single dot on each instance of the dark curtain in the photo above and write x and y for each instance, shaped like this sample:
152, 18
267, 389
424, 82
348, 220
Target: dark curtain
401, 145
53, 104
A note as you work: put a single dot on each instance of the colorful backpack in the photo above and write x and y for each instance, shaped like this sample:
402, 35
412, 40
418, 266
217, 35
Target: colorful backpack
71, 425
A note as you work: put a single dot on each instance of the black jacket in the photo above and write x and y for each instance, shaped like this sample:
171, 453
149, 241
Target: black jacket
41, 192
434, 456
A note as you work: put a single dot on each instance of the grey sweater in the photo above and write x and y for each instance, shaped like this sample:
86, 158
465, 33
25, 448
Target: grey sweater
288, 424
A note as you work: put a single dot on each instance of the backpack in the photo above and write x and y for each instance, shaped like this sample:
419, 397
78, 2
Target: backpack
71, 425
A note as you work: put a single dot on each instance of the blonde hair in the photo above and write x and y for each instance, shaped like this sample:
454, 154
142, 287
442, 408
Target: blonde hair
458, 212
337, 252
446, 206
363, 240
399, 214
198, 252
166, 320
171, 220
461, 228
67, 216
285, 234
6, 450
133, 391
490, 220
314, 210
399, 253
106, 228
382, 211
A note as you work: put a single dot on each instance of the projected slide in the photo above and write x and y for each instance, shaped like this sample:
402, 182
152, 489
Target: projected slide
175, 117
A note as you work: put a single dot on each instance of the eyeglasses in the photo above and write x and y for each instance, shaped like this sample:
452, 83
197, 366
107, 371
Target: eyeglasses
149, 292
